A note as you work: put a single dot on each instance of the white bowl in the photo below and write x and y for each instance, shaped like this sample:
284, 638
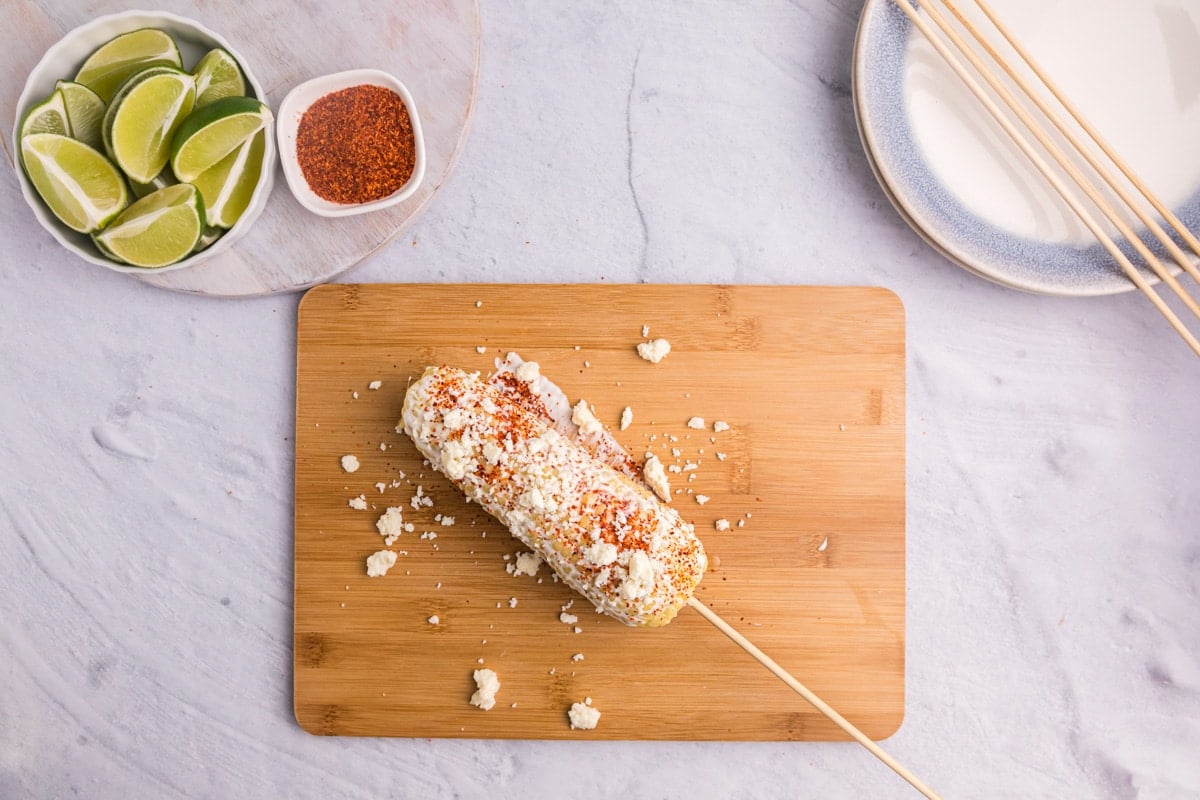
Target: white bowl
298, 101
63, 60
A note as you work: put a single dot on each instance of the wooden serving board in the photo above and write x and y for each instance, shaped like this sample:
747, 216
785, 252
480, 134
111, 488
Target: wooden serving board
433, 47
811, 382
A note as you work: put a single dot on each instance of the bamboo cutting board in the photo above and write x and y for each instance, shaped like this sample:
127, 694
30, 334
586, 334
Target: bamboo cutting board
810, 474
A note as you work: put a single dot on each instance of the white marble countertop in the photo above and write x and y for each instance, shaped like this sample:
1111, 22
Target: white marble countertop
1053, 514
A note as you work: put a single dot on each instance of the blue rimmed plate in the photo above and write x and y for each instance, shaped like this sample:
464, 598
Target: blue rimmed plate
952, 173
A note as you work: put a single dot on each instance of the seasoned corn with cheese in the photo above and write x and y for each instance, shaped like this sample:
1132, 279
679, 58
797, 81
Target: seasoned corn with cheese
605, 534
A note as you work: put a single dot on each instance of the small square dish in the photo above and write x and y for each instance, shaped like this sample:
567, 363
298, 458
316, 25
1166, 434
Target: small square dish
323, 200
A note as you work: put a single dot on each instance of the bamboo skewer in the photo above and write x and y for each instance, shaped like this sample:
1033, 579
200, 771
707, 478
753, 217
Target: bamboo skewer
1040, 163
802, 690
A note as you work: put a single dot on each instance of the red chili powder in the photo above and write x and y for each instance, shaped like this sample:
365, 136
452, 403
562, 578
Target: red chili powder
356, 145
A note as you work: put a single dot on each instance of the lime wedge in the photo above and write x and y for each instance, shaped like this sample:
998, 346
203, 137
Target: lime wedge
141, 120
157, 230
78, 183
48, 116
85, 112
107, 68
217, 75
228, 185
215, 131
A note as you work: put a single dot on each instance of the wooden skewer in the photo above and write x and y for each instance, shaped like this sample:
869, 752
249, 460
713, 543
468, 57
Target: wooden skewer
1061, 157
1040, 164
1100, 141
802, 690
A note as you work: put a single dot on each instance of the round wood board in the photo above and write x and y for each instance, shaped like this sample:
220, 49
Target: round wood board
433, 47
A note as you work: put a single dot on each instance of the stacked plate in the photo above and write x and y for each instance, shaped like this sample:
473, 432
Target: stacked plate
956, 178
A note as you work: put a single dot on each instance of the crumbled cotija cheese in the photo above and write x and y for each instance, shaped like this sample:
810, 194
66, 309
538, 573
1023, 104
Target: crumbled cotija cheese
640, 578
721, 524
373, 385
656, 477
720, 426
645, 331
358, 503
390, 524
350, 463
447, 521
577, 657
696, 423
487, 683
626, 417
525, 564
512, 602
701, 499
601, 553
379, 563
582, 416
434, 620
583, 716
654, 351
567, 619
529, 371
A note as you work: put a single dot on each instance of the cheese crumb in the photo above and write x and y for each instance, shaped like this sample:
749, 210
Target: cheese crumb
656, 477
487, 683
390, 525
529, 371
350, 463
654, 351
645, 331
374, 385
381, 486
577, 657
447, 521
601, 553
701, 499
567, 619
481, 349
696, 423
379, 563
721, 524
434, 620
512, 602
358, 503
720, 456
525, 564
479, 304
639, 579
720, 427
583, 717
626, 417
355, 395
582, 416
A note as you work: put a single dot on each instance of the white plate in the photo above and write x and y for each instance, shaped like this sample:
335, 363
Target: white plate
1133, 68
63, 60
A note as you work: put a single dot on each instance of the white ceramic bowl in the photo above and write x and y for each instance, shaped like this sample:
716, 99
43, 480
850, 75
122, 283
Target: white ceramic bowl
63, 60
298, 101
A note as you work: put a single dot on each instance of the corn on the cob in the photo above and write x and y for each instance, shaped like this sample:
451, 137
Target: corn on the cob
603, 533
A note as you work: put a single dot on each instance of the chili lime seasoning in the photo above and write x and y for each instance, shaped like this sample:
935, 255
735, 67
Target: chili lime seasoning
356, 145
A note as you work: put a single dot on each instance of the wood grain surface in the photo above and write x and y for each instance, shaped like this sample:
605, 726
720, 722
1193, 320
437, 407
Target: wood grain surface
811, 382
430, 45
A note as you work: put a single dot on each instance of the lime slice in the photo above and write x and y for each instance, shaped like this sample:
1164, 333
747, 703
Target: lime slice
215, 131
78, 183
85, 112
217, 75
160, 181
107, 68
157, 230
142, 119
48, 116
228, 185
